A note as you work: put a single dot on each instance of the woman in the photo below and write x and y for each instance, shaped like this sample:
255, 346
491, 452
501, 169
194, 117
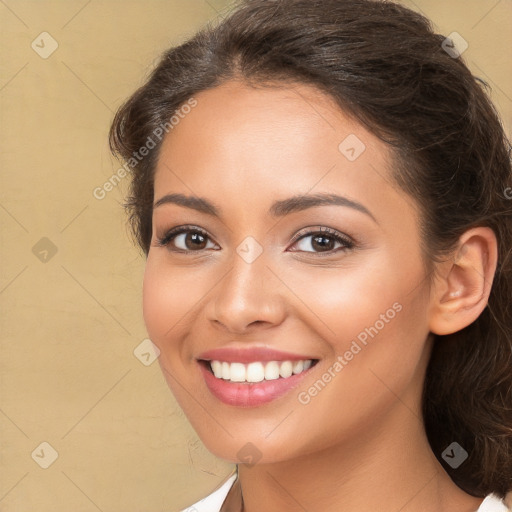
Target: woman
323, 198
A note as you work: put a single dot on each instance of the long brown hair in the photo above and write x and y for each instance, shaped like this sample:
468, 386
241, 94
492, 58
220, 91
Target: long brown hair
384, 65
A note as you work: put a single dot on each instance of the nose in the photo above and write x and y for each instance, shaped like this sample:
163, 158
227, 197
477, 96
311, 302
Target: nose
248, 297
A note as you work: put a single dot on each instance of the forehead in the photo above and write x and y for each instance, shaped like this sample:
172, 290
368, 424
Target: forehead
280, 120
253, 145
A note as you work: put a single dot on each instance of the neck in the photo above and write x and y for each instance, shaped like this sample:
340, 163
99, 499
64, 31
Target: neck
387, 467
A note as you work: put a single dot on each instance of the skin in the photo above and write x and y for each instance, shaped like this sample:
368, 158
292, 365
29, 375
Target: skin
359, 444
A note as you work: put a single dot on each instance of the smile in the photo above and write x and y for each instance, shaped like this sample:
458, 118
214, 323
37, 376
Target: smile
259, 370
255, 383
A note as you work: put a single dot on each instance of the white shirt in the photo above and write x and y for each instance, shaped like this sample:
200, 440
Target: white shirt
213, 502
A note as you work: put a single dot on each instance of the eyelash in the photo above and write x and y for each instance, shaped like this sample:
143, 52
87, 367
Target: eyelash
348, 243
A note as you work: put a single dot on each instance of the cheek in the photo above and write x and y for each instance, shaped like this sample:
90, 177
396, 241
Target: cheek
156, 300
349, 299
166, 300
374, 318
376, 322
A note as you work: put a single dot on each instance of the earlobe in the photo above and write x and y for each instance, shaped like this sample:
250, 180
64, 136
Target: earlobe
463, 283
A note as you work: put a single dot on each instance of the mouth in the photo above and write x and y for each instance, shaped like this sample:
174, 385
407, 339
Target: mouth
253, 384
257, 371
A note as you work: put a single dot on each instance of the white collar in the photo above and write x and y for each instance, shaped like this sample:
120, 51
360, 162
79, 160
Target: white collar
213, 502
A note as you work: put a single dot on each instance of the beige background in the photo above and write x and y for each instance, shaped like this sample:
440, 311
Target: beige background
70, 324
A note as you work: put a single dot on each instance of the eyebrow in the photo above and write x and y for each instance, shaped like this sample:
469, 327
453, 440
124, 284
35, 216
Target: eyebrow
280, 208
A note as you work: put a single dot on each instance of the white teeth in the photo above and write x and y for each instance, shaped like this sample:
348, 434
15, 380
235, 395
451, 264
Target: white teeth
272, 370
258, 371
286, 369
225, 371
237, 372
255, 372
217, 369
298, 366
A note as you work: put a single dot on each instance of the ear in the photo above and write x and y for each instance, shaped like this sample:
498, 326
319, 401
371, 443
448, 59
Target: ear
463, 283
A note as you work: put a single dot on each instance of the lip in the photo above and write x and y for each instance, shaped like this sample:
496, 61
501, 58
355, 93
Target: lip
250, 355
245, 394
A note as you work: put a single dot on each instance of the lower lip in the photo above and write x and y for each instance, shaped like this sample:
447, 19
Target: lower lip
244, 394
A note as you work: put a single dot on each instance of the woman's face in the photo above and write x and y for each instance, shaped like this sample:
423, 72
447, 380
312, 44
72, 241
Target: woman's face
339, 283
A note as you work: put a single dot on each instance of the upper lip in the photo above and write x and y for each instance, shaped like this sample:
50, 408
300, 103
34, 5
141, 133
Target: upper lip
249, 355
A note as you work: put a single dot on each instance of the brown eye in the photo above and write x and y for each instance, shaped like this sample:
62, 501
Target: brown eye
324, 241
185, 239
193, 240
